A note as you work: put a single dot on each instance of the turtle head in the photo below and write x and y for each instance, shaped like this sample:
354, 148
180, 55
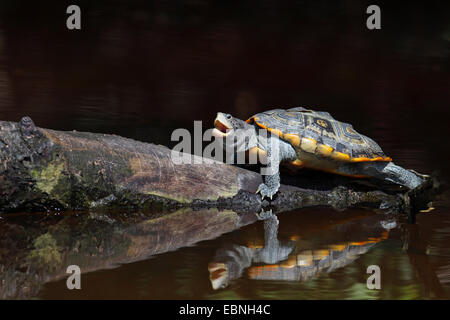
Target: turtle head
225, 123
236, 132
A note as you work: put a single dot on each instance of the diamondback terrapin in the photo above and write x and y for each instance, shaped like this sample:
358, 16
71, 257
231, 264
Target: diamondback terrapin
310, 139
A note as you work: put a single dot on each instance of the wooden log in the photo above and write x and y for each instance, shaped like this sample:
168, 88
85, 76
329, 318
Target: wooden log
46, 169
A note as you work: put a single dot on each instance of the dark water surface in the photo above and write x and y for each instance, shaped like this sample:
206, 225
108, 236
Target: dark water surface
142, 69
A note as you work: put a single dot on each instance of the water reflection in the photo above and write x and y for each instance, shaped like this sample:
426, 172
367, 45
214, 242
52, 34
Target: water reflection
230, 263
37, 249
305, 254
295, 259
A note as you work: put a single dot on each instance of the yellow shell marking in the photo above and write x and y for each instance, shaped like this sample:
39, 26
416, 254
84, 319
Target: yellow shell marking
320, 254
255, 245
358, 243
350, 130
292, 139
323, 150
276, 131
305, 258
364, 159
337, 247
322, 123
339, 156
308, 145
298, 163
291, 262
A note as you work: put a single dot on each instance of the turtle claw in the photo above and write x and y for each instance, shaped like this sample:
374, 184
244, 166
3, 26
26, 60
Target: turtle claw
266, 191
423, 176
263, 215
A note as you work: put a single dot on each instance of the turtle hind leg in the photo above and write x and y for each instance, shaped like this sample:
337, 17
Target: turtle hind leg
386, 171
397, 174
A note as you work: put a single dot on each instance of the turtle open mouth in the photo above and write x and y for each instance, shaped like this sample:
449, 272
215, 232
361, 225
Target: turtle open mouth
218, 275
221, 126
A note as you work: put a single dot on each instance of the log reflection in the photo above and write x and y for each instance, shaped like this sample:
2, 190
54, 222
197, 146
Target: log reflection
38, 248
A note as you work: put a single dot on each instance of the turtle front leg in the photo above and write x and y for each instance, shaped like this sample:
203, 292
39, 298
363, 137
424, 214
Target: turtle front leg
276, 150
271, 174
270, 186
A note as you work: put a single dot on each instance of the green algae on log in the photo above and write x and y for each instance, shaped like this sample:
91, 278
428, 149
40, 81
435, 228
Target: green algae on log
42, 169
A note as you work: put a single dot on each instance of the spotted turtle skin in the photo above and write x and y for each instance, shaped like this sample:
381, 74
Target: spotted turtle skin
319, 135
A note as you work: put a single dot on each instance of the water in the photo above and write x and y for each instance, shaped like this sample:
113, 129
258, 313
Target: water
139, 256
141, 70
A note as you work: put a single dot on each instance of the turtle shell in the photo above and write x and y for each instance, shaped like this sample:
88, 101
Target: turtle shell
318, 133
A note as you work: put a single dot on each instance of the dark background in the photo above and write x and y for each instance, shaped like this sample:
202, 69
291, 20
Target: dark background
143, 68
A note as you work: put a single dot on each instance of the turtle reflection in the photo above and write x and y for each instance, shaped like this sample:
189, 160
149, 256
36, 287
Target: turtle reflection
292, 259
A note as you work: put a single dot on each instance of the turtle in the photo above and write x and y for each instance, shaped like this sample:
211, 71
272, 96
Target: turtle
310, 139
